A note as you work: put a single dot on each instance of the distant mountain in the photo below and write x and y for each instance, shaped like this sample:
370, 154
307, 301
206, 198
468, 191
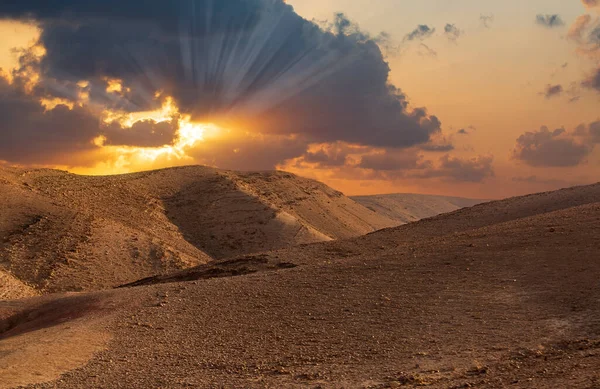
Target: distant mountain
406, 208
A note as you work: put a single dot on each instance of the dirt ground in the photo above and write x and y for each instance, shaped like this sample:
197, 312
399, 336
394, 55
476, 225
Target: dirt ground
504, 294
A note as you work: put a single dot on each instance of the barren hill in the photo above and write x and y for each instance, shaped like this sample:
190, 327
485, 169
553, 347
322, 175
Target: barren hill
63, 232
503, 294
407, 207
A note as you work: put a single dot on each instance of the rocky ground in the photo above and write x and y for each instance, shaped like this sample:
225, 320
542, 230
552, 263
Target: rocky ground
503, 294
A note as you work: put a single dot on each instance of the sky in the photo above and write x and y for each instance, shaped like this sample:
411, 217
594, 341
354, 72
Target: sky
454, 97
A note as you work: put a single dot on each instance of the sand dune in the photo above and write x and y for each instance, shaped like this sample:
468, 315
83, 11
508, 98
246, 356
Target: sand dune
407, 208
63, 232
501, 294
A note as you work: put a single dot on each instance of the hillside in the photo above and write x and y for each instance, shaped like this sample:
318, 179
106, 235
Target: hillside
63, 232
406, 208
503, 294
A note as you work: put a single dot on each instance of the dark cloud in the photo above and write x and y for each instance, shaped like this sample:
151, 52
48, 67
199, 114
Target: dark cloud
549, 21
145, 133
31, 134
593, 81
487, 20
324, 159
330, 155
452, 32
389, 165
346, 161
231, 61
552, 91
589, 133
545, 148
422, 31
475, 169
28, 133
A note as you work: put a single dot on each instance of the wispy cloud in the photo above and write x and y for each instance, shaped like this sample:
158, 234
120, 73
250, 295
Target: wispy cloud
452, 32
422, 32
549, 21
487, 20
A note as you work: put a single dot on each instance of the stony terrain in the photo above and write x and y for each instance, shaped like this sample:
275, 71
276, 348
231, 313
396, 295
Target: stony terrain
503, 294
63, 232
406, 207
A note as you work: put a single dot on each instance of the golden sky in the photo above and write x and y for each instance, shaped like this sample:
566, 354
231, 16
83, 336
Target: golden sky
486, 85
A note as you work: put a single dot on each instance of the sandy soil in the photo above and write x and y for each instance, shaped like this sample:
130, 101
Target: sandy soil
503, 294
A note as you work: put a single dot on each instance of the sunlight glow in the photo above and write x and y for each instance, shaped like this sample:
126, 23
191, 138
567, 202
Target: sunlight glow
125, 159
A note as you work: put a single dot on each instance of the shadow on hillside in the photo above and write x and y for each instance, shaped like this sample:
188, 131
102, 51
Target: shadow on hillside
218, 218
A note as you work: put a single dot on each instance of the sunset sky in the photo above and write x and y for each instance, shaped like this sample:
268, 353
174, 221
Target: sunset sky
481, 99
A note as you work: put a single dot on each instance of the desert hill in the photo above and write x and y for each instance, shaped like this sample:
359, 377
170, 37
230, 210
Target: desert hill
503, 294
63, 232
407, 207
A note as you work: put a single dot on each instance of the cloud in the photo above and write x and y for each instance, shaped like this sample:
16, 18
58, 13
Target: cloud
353, 162
390, 161
391, 166
593, 81
466, 131
578, 27
437, 148
438, 144
251, 64
585, 31
552, 91
590, 3
240, 150
30, 133
475, 169
452, 32
487, 20
426, 51
422, 32
594, 132
144, 133
549, 21
545, 148
331, 155
589, 133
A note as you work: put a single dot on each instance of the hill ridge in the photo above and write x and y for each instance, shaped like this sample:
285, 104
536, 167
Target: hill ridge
65, 232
